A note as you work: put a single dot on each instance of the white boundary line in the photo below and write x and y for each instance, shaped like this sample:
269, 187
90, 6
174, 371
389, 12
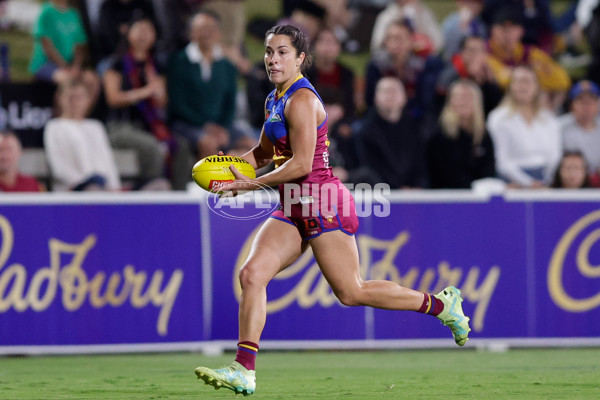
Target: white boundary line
396, 196
219, 346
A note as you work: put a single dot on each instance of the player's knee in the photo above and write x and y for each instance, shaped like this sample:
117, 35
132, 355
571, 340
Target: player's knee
348, 298
251, 276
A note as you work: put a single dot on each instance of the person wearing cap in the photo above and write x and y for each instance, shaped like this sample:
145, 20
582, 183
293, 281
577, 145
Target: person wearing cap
580, 128
506, 45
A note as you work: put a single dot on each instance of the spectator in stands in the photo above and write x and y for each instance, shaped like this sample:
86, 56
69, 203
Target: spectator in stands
202, 88
535, 16
506, 46
572, 172
462, 23
474, 63
588, 19
389, 139
11, 179
461, 150
397, 58
526, 135
59, 46
307, 16
429, 37
232, 14
581, 127
113, 25
137, 96
78, 149
335, 83
339, 18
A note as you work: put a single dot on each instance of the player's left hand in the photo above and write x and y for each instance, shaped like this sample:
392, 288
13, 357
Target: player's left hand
241, 183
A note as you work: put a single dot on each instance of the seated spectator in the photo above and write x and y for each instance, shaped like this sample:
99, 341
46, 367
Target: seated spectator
232, 14
572, 172
397, 58
588, 20
389, 139
59, 46
581, 127
534, 14
429, 37
77, 148
137, 96
506, 46
11, 179
202, 86
307, 16
526, 136
339, 18
462, 23
335, 84
113, 25
473, 63
461, 150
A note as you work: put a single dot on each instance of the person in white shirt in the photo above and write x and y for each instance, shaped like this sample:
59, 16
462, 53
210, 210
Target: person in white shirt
526, 135
78, 149
581, 127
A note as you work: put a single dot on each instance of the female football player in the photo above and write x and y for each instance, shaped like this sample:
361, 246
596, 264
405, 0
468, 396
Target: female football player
294, 136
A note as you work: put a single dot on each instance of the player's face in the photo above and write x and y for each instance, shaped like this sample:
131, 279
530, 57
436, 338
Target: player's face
281, 59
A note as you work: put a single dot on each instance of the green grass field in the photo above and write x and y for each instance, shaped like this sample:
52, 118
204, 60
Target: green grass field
441, 374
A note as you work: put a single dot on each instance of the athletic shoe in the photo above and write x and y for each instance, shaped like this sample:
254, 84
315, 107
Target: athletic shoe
453, 316
234, 377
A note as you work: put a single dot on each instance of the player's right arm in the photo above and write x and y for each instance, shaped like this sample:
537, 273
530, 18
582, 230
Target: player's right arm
262, 154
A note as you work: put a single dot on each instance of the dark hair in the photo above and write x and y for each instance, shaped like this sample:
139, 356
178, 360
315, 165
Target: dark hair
299, 41
404, 23
557, 181
206, 12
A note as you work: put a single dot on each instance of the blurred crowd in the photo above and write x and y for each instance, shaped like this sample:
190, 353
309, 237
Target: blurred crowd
484, 95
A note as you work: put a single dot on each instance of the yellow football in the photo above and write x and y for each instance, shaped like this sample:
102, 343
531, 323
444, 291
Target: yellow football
212, 172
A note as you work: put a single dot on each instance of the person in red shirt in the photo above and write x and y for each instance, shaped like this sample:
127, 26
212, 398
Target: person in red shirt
11, 180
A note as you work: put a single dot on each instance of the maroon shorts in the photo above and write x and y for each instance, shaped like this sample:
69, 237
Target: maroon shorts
315, 213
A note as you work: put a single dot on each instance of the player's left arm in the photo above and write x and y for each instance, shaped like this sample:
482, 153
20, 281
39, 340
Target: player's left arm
301, 112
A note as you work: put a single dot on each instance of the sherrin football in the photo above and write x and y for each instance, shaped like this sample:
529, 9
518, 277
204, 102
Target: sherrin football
212, 172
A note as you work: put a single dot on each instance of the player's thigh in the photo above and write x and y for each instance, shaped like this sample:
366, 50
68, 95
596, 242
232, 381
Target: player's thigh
276, 245
337, 255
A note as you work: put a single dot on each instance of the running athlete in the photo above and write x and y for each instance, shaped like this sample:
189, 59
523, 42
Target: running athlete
294, 136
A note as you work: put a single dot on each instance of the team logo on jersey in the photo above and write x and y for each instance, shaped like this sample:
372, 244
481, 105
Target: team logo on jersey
274, 118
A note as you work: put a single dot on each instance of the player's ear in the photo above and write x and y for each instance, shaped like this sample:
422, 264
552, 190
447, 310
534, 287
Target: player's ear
301, 58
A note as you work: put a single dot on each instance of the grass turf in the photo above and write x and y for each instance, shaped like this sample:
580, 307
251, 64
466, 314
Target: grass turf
455, 374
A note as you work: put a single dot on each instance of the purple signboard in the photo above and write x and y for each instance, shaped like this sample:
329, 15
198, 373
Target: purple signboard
97, 274
166, 271
497, 252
